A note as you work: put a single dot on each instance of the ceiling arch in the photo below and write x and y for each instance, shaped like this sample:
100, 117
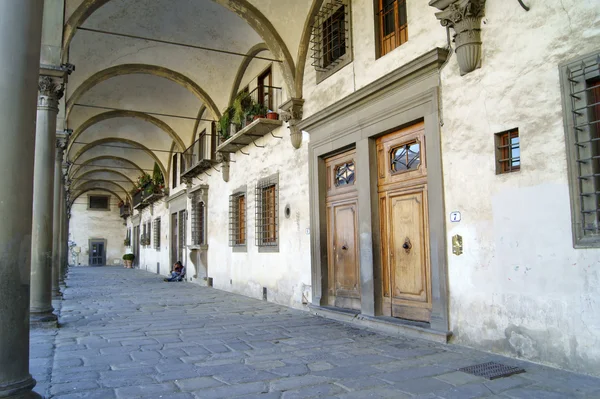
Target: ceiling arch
255, 50
96, 143
89, 172
102, 181
200, 113
129, 69
79, 194
125, 114
253, 17
88, 163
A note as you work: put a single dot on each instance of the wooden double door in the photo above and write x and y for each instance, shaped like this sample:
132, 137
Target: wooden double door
343, 283
403, 212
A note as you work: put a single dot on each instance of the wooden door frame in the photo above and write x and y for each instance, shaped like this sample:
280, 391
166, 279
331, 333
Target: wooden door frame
406, 96
92, 240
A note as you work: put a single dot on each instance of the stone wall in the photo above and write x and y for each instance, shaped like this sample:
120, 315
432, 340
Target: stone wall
85, 225
519, 288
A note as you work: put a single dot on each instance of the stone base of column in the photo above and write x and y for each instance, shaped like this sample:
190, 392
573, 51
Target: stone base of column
42, 320
19, 390
56, 294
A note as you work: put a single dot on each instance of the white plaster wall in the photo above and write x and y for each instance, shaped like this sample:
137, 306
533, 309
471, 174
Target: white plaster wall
519, 288
85, 225
424, 34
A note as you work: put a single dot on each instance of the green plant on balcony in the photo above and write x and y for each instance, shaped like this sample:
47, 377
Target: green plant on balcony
258, 110
127, 243
241, 108
225, 122
157, 177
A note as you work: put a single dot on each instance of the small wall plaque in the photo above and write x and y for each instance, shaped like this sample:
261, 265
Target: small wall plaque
457, 245
455, 217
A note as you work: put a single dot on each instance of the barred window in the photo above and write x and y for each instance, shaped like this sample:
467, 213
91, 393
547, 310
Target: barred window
267, 212
508, 152
237, 219
198, 221
157, 234
580, 80
99, 202
392, 24
331, 38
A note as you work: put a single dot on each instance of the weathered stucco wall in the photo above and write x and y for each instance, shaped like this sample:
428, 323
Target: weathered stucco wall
85, 225
424, 34
519, 288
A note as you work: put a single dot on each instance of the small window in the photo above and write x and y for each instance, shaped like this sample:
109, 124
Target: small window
392, 24
331, 40
157, 234
267, 212
406, 157
237, 219
99, 202
344, 174
508, 152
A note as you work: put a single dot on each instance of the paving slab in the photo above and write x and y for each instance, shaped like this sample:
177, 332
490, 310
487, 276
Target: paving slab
124, 333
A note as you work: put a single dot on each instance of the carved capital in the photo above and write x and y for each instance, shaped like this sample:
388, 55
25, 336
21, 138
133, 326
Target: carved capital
291, 112
461, 10
51, 89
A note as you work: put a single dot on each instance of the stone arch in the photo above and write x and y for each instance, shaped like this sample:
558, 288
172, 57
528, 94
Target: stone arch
255, 50
255, 19
304, 46
79, 194
75, 178
125, 114
130, 142
89, 161
195, 132
91, 182
130, 69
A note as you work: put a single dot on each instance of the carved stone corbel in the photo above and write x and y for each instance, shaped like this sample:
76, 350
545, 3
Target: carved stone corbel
188, 186
224, 159
291, 112
464, 16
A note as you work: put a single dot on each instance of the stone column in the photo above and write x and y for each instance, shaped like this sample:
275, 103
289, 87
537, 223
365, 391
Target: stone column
20, 37
50, 91
57, 236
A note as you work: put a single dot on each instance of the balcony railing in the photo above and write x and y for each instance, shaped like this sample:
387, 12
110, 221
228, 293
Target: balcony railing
125, 210
200, 156
259, 118
147, 195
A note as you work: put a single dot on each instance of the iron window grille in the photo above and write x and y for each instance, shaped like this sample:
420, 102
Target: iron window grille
267, 212
198, 221
392, 24
237, 219
157, 234
580, 80
174, 170
330, 40
508, 152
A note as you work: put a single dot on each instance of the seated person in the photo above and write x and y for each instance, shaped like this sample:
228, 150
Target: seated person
178, 272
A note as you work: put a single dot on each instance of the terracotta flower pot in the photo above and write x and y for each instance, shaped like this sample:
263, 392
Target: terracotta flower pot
273, 115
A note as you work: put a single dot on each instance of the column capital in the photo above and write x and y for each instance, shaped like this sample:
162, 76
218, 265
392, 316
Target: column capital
51, 89
62, 141
291, 112
456, 11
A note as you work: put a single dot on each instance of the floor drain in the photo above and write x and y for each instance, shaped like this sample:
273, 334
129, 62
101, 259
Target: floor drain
492, 370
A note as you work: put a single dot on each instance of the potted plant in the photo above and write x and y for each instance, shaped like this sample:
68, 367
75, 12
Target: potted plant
128, 260
272, 115
258, 111
225, 123
241, 107
127, 242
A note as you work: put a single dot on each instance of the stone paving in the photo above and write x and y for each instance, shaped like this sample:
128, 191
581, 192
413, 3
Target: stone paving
127, 334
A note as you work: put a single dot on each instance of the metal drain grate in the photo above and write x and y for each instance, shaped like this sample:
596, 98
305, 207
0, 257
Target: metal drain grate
492, 370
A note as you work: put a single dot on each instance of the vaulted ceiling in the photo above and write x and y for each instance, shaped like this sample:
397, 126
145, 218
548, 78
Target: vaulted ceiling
125, 93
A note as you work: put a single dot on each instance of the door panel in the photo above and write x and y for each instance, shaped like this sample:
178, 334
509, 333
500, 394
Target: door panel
402, 186
97, 253
343, 282
344, 273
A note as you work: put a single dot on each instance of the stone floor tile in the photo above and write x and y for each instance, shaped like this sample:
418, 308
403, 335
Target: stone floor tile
194, 384
144, 391
232, 391
459, 378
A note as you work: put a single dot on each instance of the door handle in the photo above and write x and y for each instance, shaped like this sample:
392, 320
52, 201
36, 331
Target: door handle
344, 247
407, 245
